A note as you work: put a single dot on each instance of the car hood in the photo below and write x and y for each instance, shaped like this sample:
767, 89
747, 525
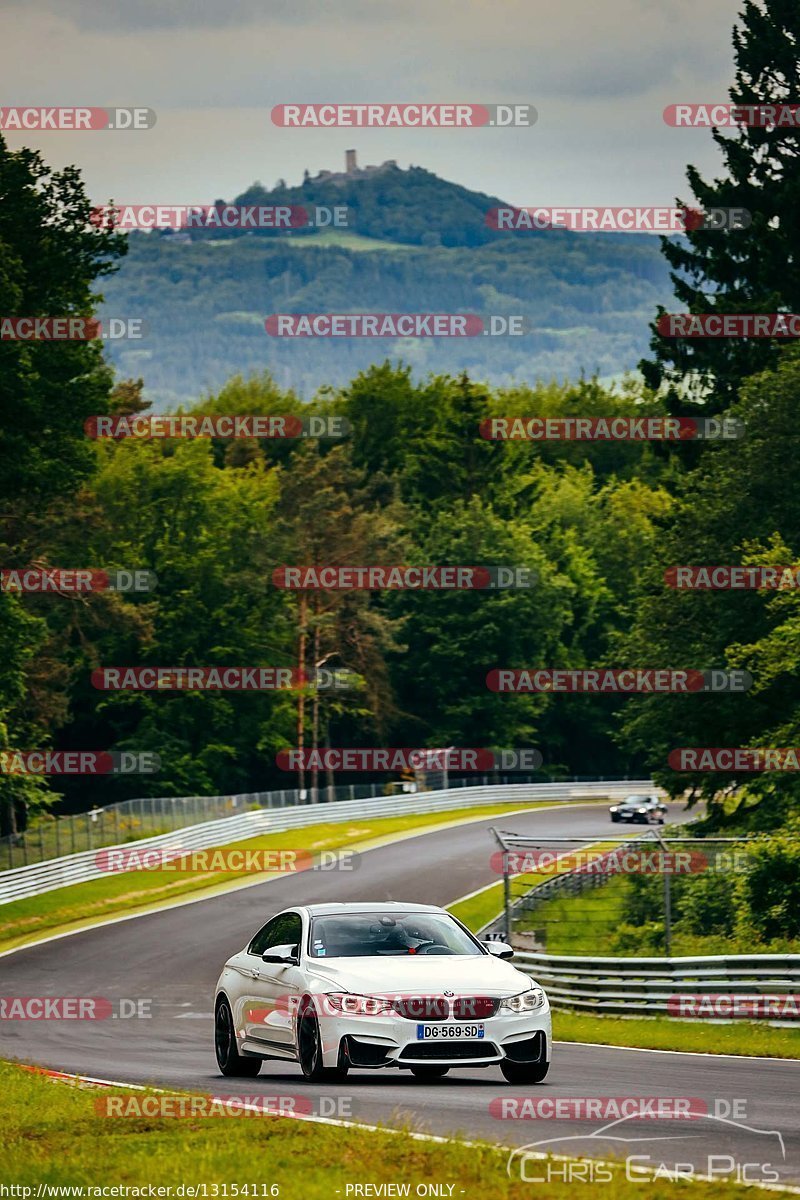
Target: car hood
428, 975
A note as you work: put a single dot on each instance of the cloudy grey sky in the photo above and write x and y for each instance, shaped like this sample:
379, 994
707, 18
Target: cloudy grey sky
599, 73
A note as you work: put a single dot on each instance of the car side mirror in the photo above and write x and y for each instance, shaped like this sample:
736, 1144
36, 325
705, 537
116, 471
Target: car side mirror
288, 956
499, 949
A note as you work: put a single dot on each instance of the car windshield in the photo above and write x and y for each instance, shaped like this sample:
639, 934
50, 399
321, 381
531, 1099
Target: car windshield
637, 800
369, 935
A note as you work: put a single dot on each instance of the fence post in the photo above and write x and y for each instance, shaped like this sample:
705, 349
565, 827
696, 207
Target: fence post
667, 893
506, 898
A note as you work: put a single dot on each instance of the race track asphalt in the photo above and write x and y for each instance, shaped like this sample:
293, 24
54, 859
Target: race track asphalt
173, 958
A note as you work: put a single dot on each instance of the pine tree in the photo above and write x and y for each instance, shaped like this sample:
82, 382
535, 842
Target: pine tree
752, 270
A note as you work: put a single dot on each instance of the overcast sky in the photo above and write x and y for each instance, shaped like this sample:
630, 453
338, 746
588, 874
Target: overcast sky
599, 74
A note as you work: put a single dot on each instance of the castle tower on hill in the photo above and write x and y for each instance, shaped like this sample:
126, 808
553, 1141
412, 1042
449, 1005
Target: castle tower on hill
350, 164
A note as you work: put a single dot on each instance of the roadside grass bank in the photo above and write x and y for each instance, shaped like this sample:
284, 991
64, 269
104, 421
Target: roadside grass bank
127, 891
53, 1136
754, 1039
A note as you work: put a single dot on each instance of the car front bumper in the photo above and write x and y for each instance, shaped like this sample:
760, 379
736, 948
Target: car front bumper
391, 1041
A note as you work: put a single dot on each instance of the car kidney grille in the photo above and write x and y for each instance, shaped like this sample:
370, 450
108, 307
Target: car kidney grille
474, 1008
422, 1008
439, 1008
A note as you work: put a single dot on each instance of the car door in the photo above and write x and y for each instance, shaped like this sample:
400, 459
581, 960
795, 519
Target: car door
273, 988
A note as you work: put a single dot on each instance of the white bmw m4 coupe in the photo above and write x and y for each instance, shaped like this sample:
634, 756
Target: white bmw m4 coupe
369, 986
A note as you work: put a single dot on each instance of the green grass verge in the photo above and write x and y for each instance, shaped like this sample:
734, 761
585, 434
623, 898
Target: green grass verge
751, 1038
589, 922
53, 1135
116, 894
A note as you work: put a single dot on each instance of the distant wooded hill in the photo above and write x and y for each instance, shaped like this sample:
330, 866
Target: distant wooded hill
414, 243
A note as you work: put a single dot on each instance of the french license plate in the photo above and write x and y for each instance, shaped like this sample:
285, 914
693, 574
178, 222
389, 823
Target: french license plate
441, 1033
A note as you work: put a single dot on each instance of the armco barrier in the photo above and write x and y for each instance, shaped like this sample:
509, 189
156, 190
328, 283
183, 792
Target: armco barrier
21, 882
644, 986
150, 816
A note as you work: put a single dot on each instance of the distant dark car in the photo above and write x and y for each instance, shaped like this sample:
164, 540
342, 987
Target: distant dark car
640, 810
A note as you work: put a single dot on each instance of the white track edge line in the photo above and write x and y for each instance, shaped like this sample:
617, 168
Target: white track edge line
689, 1053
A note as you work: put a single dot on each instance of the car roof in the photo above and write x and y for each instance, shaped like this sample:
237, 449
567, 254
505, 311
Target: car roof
387, 906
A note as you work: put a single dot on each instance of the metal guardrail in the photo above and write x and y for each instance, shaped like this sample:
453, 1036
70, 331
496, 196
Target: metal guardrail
22, 882
52, 837
653, 986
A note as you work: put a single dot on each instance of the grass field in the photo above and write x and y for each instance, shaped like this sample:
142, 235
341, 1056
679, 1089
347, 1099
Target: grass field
53, 1136
752, 1039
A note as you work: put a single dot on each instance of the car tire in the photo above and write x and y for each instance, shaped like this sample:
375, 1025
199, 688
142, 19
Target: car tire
524, 1072
309, 1050
229, 1060
426, 1072
614, 819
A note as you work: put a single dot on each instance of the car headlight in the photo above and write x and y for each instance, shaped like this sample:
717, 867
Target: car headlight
524, 1001
357, 1006
643, 810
